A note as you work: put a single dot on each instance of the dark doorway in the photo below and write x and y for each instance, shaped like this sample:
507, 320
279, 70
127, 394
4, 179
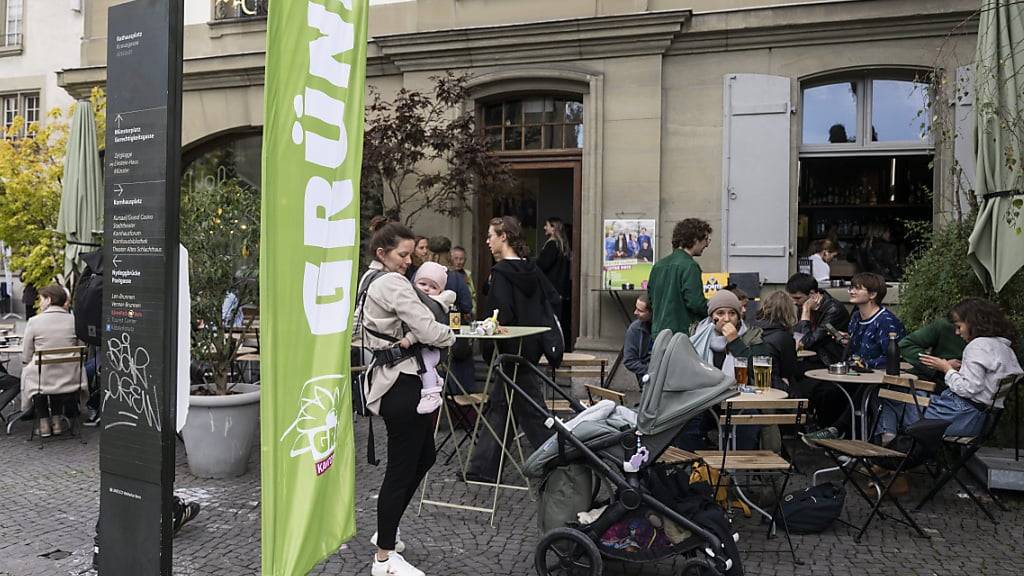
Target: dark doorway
547, 189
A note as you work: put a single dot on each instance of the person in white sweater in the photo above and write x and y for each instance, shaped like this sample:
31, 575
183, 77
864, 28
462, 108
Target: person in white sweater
988, 359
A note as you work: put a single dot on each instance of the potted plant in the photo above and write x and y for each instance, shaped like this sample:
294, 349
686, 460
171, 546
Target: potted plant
220, 229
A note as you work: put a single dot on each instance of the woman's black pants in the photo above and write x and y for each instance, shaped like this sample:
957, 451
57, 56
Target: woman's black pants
410, 455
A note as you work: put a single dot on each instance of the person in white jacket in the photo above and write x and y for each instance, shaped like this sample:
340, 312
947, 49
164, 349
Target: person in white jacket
989, 358
392, 313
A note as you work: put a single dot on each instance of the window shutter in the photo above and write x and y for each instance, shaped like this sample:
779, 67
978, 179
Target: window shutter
964, 152
756, 168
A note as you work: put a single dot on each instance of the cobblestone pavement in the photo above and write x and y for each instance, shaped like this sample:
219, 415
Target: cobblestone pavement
49, 499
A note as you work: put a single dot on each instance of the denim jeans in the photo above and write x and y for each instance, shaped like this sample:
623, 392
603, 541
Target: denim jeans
965, 419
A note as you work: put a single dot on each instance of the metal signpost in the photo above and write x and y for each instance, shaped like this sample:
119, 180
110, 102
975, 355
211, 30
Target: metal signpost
142, 172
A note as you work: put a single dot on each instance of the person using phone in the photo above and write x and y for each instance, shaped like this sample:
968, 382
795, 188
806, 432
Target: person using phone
819, 313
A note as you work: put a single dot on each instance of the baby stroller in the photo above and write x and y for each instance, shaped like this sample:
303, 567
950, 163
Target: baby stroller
613, 446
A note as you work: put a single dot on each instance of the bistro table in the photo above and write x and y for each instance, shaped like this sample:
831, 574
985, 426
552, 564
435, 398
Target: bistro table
873, 378
627, 318
477, 401
806, 354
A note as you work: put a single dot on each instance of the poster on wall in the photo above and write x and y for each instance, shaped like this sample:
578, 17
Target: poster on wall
628, 254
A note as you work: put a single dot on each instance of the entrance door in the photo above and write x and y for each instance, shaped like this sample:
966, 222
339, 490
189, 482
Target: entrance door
548, 189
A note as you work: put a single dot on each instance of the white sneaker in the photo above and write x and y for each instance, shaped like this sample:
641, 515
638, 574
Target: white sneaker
395, 565
399, 545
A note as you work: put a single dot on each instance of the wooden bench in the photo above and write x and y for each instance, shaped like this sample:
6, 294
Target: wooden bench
675, 456
604, 393
579, 365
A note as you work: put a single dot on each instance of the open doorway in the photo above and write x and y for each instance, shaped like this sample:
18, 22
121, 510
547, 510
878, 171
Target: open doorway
548, 189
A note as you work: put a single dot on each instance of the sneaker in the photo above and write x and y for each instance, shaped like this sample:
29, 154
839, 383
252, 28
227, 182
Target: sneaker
830, 433
93, 419
399, 545
44, 428
184, 512
395, 565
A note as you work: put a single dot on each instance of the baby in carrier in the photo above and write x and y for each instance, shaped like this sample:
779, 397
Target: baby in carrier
430, 280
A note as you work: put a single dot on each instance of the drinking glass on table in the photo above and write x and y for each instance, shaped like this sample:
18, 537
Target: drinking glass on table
740, 370
763, 372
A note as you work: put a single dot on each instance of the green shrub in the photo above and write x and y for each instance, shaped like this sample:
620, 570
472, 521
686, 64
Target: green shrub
938, 276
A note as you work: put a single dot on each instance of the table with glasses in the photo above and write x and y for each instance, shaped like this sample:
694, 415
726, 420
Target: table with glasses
477, 401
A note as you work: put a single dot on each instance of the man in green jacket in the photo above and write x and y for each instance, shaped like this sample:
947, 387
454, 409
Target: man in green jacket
675, 287
937, 338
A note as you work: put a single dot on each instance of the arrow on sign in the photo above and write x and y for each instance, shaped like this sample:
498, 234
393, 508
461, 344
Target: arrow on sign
118, 189
116, 261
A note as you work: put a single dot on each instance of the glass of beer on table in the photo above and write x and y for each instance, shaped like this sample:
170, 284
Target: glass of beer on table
763, 372
741, 371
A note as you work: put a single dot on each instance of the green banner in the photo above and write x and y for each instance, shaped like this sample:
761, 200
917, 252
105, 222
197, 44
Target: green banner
312, 152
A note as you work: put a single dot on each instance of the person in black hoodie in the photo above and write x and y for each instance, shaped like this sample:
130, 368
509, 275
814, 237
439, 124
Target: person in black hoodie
517, 289
818, 309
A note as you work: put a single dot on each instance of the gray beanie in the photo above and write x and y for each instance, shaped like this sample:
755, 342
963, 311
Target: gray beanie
724, 299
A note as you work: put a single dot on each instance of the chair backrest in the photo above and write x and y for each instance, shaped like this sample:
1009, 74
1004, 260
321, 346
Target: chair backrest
66, 355
605, 393
8, 326
1005, 387
900, 389
789, 411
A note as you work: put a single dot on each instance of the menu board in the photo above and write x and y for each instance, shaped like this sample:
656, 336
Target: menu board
142, 166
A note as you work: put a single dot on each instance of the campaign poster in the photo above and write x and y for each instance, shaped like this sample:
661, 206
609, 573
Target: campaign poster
628, 254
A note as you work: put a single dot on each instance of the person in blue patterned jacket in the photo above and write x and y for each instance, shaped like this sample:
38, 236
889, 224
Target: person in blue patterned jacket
868, 338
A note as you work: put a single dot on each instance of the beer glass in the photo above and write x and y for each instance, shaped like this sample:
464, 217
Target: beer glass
741, 371
763, 372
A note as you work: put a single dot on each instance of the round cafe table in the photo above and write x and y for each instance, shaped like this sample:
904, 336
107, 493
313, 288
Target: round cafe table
873, 378
806, 353
751, 399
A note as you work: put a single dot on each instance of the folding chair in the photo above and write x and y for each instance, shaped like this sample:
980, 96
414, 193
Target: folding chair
604, 394
52, 356
730, 461
850, 455
965, 447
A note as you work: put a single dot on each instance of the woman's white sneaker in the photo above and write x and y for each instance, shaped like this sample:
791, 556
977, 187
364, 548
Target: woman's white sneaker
399, 545
395, 565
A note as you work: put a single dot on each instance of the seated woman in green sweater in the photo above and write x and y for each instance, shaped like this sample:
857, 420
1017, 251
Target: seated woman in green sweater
937, 338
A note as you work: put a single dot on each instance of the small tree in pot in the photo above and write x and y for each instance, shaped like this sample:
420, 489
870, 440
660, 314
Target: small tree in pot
220, 227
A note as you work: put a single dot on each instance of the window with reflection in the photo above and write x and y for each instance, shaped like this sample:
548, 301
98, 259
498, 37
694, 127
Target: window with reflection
236, 9
899, 111
533, 123
830, 114
235, 157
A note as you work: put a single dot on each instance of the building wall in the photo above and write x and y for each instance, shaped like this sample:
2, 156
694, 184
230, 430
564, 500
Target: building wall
651, 73
51, 42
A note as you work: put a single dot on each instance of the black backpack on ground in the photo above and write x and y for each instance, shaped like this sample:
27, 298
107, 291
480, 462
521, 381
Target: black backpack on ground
812, 510
88, 302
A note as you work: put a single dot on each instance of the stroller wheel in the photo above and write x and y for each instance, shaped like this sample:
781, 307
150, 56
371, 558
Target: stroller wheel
567, 552
699, 567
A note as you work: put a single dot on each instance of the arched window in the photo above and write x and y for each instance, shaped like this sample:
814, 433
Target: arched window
533, 123
865, 172
234, 156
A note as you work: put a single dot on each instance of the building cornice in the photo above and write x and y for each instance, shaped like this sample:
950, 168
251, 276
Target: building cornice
636, 34
725, 32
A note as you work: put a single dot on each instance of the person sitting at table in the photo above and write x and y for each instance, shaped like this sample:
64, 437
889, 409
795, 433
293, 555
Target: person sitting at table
636, 352
57, 393
817, 309
741, 296
825, 251
988, 357
937, 338
517, 289
867, 338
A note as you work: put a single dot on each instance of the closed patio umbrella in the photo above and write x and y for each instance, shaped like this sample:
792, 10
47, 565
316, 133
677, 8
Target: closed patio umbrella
81, 201
997, 243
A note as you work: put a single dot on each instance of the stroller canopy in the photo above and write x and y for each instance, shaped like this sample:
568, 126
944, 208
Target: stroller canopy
681, 385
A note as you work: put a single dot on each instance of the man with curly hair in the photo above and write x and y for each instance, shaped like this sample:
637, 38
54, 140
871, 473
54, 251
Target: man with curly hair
675, 287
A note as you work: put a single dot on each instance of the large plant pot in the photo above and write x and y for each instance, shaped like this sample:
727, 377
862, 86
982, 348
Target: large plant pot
220, 430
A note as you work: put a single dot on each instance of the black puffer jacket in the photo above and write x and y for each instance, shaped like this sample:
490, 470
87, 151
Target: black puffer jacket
517, 288
816, 337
